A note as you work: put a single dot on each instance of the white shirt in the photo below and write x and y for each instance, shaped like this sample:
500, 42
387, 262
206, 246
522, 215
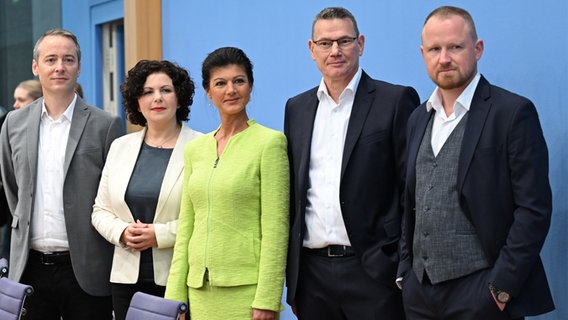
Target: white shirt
48, 231
443, 124
324, 221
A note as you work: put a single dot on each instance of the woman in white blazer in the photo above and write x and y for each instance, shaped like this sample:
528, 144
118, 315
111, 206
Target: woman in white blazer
139, 195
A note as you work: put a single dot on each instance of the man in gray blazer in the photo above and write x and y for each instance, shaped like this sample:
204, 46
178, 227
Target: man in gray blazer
52, 155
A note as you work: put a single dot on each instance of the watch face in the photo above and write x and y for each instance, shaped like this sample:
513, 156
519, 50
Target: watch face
503, 297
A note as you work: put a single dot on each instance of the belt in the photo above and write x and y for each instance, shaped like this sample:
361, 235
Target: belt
51, 259
332, 251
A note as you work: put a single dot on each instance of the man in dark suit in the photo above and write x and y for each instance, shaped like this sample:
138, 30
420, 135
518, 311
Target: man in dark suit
346, 143
477, 201
52, 156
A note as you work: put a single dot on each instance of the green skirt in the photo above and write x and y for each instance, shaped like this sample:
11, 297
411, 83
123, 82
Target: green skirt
222, 303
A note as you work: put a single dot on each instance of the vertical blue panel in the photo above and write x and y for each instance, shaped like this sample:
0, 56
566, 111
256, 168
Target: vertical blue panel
84, 18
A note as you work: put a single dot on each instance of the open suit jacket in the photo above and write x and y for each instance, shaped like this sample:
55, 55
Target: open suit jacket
503, 189
90, 136
111, 214
371, 174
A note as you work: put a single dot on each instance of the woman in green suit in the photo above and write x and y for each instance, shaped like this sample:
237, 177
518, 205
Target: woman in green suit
230, 252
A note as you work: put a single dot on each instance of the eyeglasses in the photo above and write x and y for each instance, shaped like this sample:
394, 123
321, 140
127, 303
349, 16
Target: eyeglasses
326, 44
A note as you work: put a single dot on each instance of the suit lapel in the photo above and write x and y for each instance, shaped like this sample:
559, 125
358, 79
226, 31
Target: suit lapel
414, 141
478, 112
33, 134
361, 106
173, 170
304, 130
128, 156
78, 123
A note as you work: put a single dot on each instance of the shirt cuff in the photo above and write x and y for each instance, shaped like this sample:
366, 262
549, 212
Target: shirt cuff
399, 282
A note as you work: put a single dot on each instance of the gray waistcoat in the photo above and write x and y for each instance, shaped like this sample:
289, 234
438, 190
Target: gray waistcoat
446, 245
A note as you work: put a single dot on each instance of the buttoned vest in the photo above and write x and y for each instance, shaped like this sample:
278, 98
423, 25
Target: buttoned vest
446, 245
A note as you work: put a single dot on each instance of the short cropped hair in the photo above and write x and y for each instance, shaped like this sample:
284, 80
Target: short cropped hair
335, 13
445, 12
57, 32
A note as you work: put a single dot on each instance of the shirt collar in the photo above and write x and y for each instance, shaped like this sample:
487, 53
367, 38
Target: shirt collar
351, 87
67, 115
464, 99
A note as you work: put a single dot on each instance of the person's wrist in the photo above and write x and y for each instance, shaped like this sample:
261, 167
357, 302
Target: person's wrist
499, 295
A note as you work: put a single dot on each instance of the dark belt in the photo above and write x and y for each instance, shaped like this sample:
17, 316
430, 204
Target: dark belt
51, 259
332, 251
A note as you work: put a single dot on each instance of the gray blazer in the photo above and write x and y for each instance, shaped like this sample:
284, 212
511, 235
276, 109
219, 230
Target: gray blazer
91, 134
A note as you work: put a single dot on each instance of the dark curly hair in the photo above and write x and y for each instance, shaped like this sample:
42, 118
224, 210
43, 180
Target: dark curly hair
133, 86
223, 57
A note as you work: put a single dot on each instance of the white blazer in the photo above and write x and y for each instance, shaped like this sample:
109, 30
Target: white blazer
111, 214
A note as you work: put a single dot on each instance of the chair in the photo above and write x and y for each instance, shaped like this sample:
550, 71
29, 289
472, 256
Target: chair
148, 307
12, 296
3, 268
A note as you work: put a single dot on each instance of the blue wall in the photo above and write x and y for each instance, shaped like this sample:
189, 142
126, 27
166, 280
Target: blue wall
526, 51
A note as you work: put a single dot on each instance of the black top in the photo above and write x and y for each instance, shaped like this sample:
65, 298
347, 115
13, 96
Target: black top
142, 195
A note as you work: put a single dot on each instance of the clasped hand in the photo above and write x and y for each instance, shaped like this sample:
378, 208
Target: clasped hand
139, 236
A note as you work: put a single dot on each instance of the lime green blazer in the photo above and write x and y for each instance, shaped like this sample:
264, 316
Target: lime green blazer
234, 216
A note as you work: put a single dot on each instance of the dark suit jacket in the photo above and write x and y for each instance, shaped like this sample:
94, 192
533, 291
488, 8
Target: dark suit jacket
90, 136
371, 174
503, 189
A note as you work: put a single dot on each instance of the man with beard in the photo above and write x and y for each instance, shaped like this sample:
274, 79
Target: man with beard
477, 200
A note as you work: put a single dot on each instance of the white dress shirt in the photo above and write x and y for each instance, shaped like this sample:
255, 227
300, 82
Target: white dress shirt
444, 124
48, 231
324, 221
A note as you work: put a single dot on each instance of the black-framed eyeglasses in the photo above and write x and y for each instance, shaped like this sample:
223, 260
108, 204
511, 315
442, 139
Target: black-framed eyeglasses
326, 44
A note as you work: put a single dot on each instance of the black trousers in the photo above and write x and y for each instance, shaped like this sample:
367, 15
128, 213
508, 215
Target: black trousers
337, 288
465, 298
57, 294
122, 294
